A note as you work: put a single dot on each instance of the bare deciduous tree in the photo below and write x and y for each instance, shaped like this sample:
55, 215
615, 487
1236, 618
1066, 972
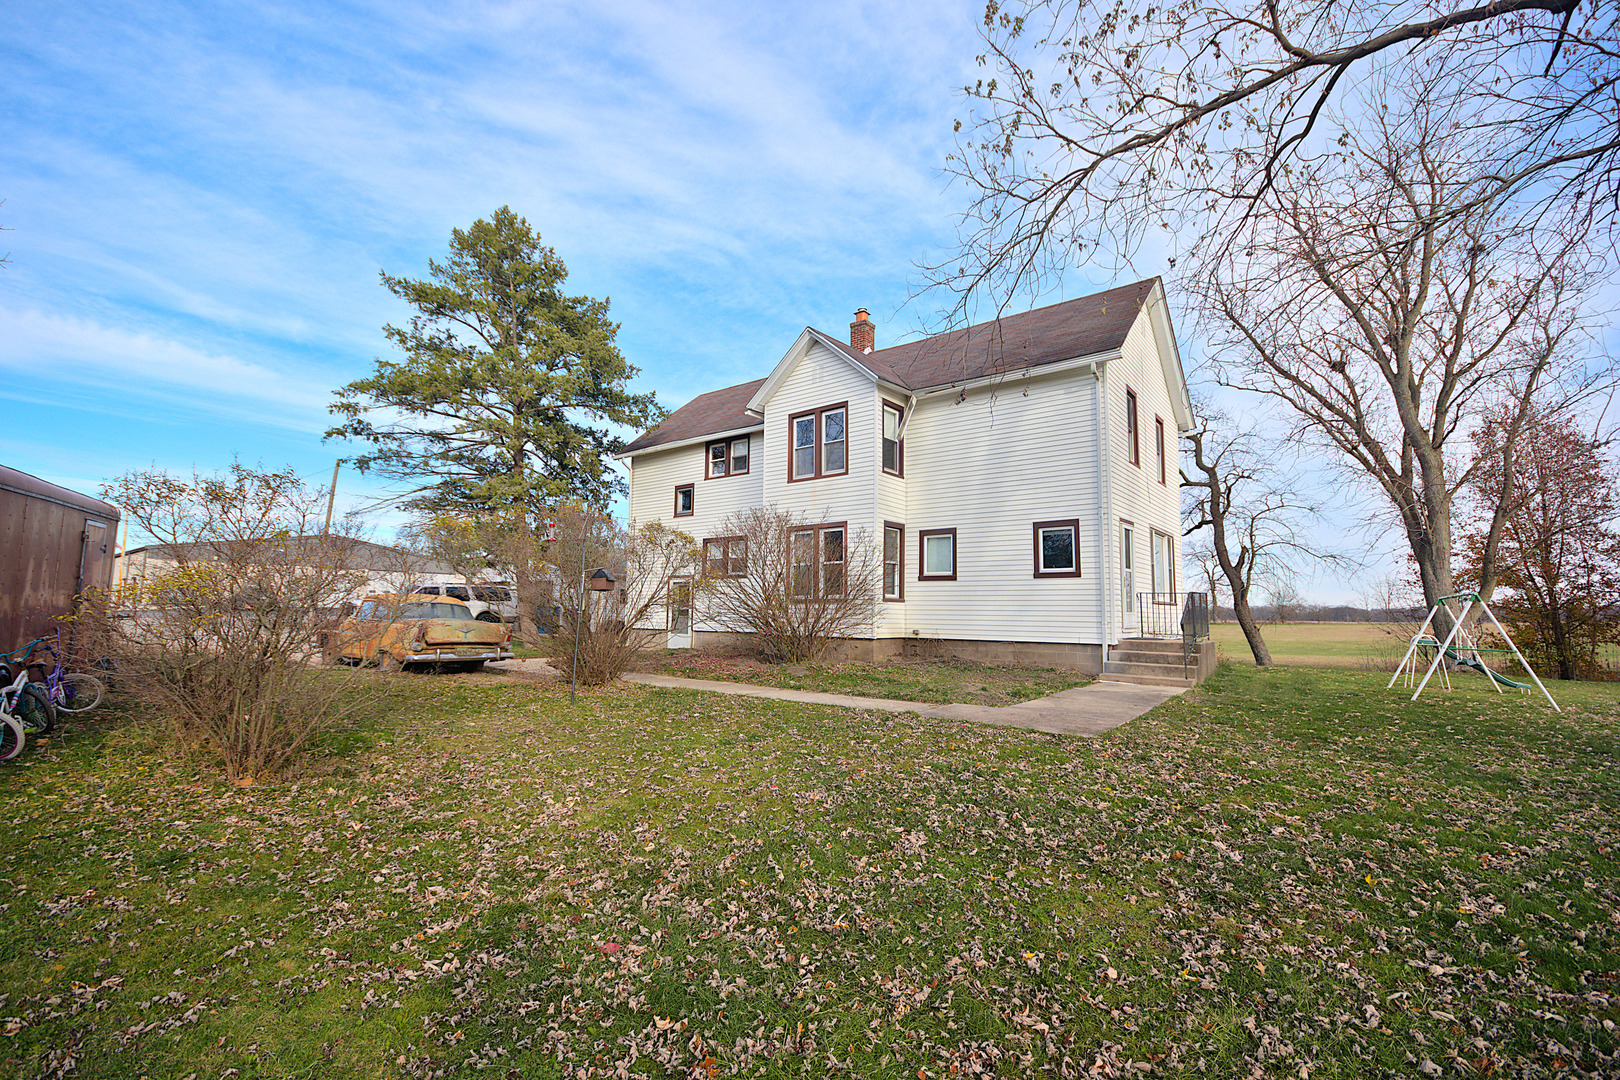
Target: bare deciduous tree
1246, 512
1286, 600
644, 562
797, 586
1388, 325
1098, 124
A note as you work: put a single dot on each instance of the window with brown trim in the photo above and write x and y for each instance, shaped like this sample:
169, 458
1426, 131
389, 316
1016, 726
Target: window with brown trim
894, 559
894, 450
936, 555
1164, 570
1158, 432
1130, 427
818, 557
818, 442
728, 457
1057, 548
725, 556
685, 496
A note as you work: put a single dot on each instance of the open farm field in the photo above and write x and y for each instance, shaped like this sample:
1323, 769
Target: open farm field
1283, 873
1359, 645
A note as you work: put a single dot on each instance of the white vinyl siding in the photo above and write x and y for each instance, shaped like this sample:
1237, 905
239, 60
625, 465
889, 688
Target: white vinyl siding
655, 475
991, 466
819, 381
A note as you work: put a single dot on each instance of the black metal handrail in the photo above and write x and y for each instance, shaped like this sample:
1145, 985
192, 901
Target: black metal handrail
1175, 615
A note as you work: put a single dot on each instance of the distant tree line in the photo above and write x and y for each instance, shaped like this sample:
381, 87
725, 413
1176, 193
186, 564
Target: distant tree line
1338, 613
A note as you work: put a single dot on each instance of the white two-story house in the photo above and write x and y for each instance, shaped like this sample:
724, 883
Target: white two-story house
1020, 475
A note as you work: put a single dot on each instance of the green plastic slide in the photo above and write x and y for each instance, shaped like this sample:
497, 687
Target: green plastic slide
1473, 662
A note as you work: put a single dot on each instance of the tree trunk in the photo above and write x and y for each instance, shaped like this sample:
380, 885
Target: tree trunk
1251, 629
1239, 584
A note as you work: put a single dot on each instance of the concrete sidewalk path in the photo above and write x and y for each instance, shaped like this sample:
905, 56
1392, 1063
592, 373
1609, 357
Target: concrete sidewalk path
1084, 710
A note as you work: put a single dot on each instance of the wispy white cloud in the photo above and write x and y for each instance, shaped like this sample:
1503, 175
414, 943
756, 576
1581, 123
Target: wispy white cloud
120, 361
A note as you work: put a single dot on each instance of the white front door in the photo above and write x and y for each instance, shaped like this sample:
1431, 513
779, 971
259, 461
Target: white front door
1130, 618
680, 615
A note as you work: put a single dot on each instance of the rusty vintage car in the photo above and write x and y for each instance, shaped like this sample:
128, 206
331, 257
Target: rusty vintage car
396, 631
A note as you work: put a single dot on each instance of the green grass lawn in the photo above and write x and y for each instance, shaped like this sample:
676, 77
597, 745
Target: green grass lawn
1283, 873
934, 681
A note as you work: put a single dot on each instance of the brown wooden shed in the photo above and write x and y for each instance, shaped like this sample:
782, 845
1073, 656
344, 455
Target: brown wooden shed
54, 544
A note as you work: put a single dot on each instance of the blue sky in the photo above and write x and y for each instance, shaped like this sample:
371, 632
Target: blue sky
200, 198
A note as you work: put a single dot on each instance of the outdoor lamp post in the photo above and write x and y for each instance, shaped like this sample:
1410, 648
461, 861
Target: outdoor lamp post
600, 580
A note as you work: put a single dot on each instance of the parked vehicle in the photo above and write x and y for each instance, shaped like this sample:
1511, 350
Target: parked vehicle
489, 603
394, 631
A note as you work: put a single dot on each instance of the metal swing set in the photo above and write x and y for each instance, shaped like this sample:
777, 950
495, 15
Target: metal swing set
1461, 649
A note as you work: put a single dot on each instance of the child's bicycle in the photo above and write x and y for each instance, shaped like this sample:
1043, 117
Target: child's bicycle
69, 691
25, 709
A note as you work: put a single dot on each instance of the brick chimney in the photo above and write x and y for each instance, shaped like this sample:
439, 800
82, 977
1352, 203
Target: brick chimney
862, 334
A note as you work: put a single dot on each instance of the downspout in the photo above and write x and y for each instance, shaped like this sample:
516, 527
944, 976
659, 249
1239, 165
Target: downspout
905, 416
1105, 509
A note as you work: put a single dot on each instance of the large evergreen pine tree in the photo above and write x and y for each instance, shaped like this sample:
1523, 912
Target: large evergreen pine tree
502, 399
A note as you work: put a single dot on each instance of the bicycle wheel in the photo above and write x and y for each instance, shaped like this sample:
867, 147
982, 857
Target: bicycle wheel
77, 693
11, 737
35, 711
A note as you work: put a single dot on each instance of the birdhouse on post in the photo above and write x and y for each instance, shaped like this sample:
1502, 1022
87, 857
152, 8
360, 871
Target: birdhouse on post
602, 580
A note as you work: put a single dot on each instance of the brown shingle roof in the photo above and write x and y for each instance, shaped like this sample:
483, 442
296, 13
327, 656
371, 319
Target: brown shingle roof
1081, 327
706, 414
1084, 326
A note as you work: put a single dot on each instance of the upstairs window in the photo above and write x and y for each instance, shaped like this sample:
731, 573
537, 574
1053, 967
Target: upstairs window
728, 457
1131, 434
820, 443
1158, 431
893, 458
832, 441
683, 500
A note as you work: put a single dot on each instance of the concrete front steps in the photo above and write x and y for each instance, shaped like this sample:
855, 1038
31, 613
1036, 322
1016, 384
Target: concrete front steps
1158, 662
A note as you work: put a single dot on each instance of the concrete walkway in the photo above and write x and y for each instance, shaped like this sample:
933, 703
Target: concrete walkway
1085, 710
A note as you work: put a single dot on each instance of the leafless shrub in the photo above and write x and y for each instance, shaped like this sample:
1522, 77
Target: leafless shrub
796, 585
645, 563
215, 634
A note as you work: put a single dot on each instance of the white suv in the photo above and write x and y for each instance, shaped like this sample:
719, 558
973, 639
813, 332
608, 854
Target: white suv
489, 603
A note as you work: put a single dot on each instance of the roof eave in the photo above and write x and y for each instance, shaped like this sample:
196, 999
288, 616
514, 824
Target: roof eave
708, 436
1175, 374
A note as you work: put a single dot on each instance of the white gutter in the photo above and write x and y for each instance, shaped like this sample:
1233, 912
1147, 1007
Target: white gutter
999, 377
905, 416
